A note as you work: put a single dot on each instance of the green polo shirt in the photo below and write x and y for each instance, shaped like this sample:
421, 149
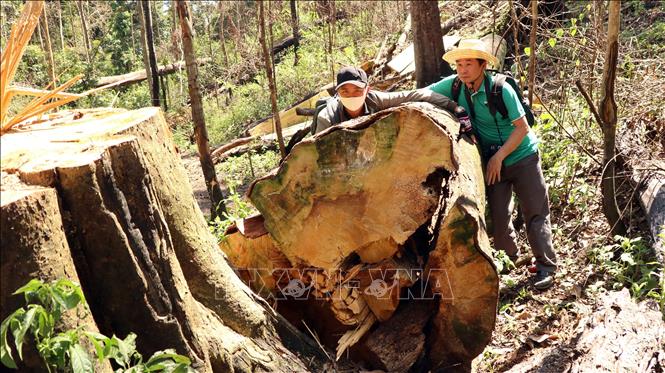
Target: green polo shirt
489, 131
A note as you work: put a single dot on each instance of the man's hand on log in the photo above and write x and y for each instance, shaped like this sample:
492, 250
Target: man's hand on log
466, 128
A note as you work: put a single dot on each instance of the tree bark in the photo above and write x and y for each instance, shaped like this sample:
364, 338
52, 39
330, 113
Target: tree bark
532, 47
108, 193
152, 59
296, 30
271, 79
84, 27
34, 245
427, 43
608, 114
200, 131
365, 200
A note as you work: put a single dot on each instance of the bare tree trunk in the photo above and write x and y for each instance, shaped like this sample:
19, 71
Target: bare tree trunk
427, 43
62, 33
39, 36
296, 30
207, 20
84, 27
74, 40
152, 59
47, 44
200, 131
271, 79
516, 41
236, 34
608, 115
144, 49
532, 47
333, 18
222, 39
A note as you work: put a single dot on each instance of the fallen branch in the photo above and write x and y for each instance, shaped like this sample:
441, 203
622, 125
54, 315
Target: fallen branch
231, 145
140, 75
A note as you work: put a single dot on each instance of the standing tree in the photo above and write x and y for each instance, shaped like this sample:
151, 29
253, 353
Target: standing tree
200, 131
267, 58
84, 27
332, 17
47, 44
222, 39
58, 7
428, 43
532, 48
296, 30
151, 67
608, 117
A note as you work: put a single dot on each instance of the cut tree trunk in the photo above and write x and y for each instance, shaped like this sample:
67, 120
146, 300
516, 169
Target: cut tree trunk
34, 245
108, 193
363, 220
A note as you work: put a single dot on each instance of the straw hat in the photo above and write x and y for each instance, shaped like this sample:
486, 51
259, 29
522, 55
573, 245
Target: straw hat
471, 48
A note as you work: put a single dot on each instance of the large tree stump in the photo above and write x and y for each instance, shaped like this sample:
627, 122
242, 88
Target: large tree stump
370, 216
106, 197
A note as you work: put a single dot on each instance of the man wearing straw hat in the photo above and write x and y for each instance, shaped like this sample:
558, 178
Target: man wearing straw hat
510, 153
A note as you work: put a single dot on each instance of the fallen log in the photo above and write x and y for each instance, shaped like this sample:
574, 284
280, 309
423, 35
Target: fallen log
140, 75
233, 144
619, 336
651, 194
370, 216
109, 194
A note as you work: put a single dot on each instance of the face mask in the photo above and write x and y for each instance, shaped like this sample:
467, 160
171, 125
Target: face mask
353, 103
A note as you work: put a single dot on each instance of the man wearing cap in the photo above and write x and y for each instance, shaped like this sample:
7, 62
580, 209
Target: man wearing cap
354, 98
510, 152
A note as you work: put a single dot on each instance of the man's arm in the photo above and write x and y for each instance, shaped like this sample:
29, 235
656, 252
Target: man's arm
384, 100
517, 117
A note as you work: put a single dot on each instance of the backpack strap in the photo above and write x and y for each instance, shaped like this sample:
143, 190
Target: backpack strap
456, 89
495, 99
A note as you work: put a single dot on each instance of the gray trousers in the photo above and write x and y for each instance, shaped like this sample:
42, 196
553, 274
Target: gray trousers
526, 177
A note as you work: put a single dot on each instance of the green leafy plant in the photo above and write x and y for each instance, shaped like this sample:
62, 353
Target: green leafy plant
64, 351
238, 208
502, 261
628, 263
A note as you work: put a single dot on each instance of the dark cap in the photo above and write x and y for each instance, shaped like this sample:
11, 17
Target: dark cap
353, 75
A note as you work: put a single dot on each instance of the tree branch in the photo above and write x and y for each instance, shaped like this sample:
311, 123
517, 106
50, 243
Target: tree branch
592, 107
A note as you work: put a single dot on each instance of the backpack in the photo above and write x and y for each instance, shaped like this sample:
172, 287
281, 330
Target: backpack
302, 133
495, 98
320, 105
